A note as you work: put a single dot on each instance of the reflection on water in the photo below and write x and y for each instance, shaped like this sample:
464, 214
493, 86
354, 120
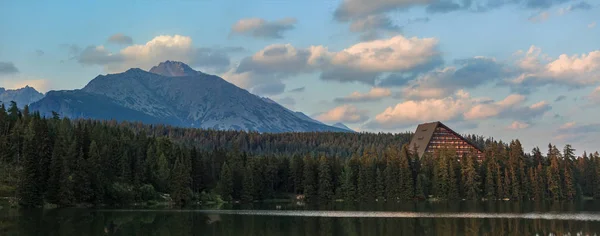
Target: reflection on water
411, 219
379, 214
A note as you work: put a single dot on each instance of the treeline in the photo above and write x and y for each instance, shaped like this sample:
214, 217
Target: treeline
65, 162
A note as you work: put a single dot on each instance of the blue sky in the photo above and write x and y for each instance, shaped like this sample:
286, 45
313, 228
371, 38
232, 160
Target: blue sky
526, 69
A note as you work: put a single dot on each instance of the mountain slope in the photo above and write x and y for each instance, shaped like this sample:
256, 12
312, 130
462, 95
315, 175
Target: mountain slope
23, 96
198, 100
342, 126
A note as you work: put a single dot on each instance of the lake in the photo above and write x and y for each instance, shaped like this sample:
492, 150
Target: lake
412, 218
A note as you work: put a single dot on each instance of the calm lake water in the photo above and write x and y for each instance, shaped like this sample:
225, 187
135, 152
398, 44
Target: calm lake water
414, 218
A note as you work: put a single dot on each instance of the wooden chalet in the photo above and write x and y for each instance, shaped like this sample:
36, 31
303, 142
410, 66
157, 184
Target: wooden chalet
433, 136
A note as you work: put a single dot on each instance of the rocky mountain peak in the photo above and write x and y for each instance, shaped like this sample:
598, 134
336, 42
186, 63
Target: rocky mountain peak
173, 69
23, 96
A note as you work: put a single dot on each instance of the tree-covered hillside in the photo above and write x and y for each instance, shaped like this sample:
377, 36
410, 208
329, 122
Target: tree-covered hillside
68, 162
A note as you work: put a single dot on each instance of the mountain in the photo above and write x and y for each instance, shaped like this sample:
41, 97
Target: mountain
296, 113
174, 68
174, 94
23, 96
342, 126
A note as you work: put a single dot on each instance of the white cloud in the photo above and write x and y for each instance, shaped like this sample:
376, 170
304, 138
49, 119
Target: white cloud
361, 62
410, 112
518, 125
487, 110
458, 107
159, 49
574, 71
344, 114
374, 94
591, 25
388, 55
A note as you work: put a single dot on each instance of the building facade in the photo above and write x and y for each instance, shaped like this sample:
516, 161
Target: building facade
433, 136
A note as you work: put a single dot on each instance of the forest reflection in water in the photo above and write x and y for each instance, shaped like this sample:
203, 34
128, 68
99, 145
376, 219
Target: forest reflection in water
458, 218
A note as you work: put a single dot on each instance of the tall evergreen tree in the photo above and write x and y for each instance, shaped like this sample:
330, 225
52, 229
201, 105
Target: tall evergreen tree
406, 178
30, 194
348, 187
470, 178
225, 187
310, 180
325, 191
181, 183
248, 190
380, 185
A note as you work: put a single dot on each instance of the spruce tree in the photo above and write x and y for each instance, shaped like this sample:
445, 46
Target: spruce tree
30, 194
82, 188
568, 169
441, 175
490, 187
380, 190
406, 178
225, 187
310, 180
162, 173
553, 175
248, 189
180, 183
470, 178
297, 174
348, 187
325, 191
97, 177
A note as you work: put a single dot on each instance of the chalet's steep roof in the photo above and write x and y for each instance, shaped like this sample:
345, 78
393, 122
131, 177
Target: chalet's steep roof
424, 133
422, 137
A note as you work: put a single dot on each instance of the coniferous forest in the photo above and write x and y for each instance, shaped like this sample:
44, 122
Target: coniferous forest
87, 162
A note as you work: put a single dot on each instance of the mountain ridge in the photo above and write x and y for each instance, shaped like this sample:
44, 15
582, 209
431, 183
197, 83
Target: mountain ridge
198, 100
22, 96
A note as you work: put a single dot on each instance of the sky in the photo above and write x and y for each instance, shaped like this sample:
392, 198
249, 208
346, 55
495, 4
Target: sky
509, 69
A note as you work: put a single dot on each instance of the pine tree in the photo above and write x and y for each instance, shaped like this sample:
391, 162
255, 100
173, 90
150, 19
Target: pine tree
470, 178
441, 175
325, 191
379, 181
362, 184
453, 186
198, 169
180, 183
391, 173
553, 175
568, 169
30, 194
162, 172
405, 175
297, 174
420, 187
225, 187
82, 188
97, 177
597, 172
490, 188
348, 187
248, 189
310, 180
